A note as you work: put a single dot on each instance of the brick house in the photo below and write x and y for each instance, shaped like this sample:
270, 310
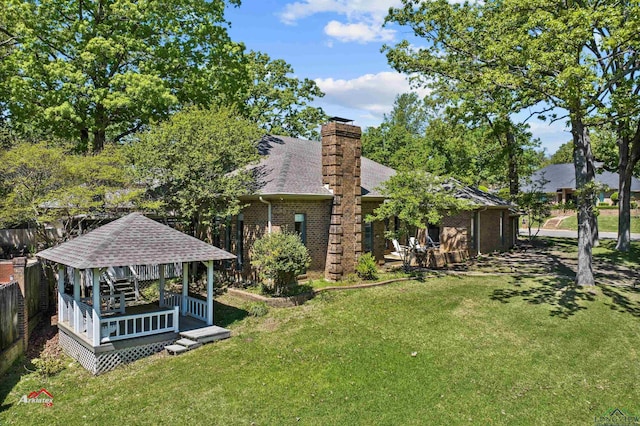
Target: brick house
324, 190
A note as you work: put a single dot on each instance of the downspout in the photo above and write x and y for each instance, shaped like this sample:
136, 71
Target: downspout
268, 203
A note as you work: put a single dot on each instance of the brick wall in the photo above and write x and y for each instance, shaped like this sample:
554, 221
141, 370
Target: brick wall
255, 218
341, 152
6, 271
455, 233
318, 216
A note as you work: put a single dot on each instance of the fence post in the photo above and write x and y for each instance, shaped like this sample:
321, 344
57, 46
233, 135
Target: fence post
19, 265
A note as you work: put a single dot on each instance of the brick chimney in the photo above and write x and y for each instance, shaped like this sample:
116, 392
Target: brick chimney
341, 151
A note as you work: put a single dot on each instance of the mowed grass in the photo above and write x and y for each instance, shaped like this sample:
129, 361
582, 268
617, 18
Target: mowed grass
490, 350
605, 223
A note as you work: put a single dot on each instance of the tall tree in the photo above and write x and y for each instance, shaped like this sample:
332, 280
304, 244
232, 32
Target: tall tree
459, 81
278, 101
95, 72
534, 50
193, 164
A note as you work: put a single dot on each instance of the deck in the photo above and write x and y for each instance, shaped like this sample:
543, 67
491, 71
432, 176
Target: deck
111, 353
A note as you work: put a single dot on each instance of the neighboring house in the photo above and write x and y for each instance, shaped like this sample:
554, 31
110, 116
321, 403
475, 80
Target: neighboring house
324, 191
559, 181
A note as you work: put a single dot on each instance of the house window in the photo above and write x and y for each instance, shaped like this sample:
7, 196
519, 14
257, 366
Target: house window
240, 239
474, 232
301, 226
368, 238
433, 232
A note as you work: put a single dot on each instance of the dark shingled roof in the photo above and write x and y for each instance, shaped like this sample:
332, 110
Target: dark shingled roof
481, 198
293, 166
564, 176
132, 240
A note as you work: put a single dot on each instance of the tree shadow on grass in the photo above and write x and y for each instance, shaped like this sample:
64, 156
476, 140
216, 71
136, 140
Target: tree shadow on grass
226, 315
561, 294
621, 302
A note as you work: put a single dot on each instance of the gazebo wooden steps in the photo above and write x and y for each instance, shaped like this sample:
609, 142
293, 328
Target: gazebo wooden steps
121, 286
195, 338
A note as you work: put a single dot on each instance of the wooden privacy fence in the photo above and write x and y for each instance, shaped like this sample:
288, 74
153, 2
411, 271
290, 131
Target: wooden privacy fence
9, 301
22, 301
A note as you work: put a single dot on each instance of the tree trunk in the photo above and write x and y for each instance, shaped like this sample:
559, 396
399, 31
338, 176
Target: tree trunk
84, 141
628, 156
512, 150
581, 153
591, 172
624, 192
100, 133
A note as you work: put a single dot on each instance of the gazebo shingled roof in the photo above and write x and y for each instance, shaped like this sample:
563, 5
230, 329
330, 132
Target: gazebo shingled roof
132, 240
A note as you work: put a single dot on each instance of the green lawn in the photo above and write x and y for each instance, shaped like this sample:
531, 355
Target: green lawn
490, 350
605, 223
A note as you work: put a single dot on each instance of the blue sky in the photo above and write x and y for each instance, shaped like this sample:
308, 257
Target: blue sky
337, 43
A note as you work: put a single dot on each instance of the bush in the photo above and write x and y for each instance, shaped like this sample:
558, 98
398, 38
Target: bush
615, 197
257, 309
483, 188
279, 259
48, 366
366, 267
634, 204
603, 204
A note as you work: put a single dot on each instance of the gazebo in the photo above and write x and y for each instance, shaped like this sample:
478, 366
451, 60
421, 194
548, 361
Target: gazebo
102, 330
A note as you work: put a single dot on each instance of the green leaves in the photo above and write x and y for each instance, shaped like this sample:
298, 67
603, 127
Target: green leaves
46, 184
94, 72
279, 257
418, 198
278, 102
193, 162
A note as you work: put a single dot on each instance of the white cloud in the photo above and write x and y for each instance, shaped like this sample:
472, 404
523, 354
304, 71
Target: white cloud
364, 18
372, 94
353, 9
358, 32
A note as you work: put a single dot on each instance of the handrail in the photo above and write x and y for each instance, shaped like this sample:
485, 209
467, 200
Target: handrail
137, 325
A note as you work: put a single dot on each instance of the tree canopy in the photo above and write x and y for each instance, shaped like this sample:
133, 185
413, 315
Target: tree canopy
43, 184
93, 72
193, 164
279, 102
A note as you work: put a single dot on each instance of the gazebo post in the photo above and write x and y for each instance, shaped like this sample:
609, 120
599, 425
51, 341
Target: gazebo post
161, 285
210, 292
77, 313
61, 305
96, 307
185, 288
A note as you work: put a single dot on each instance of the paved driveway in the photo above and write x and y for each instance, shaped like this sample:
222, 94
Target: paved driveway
563, 233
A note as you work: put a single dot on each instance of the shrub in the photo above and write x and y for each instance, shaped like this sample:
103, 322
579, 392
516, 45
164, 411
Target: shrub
48, 366
366, 267
603, 204
257, 309
279, 259
614, 197
483, 188
634, 204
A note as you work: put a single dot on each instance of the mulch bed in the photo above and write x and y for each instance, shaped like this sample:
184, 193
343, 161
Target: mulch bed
43, 342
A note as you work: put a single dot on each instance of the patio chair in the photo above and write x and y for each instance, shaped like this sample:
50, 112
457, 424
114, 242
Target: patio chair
414, 244
431, 243
400, 250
